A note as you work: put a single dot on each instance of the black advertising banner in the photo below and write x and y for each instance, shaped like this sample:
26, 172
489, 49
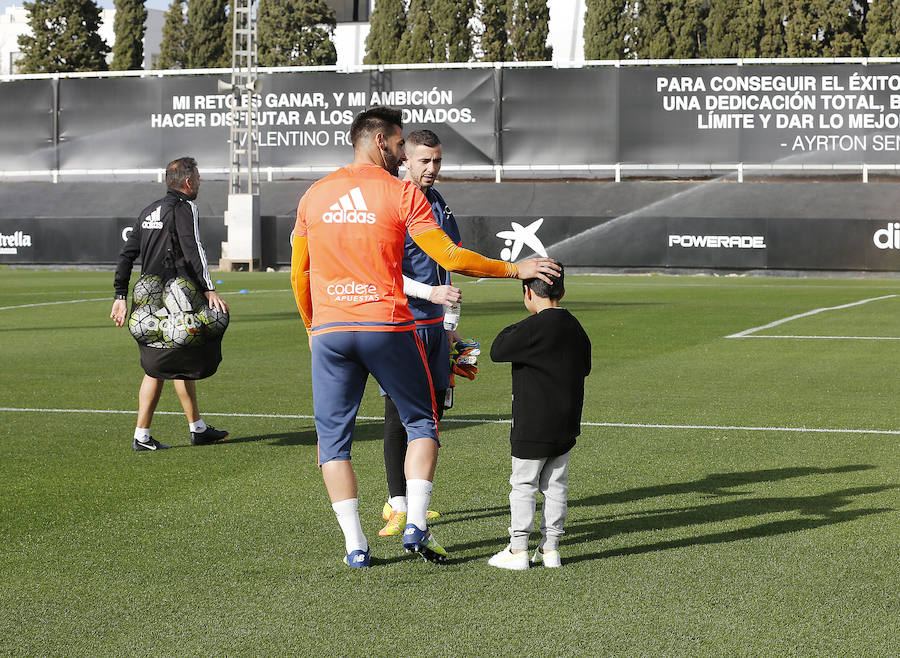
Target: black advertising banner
653, 131
512, 239
131, 123
88, 241
714, 243
785, 114
553, 116
692, 242
26, 114
597, 242
651, 115
304, 118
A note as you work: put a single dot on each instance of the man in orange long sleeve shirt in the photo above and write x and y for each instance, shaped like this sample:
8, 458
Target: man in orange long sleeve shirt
346, 273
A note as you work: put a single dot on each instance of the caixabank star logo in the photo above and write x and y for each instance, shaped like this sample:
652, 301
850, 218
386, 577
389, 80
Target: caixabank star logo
521, 236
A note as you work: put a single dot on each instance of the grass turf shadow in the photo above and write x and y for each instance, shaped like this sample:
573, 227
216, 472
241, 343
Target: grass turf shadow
817, 510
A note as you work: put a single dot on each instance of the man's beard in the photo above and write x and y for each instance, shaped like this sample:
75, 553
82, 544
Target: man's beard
391, 164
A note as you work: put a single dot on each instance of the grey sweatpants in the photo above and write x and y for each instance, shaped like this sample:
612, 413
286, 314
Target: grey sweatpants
549, 476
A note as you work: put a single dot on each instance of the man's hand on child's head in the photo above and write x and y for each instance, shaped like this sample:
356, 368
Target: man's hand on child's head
538, 268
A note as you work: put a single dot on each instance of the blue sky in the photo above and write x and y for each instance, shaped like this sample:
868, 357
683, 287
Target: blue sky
105, 4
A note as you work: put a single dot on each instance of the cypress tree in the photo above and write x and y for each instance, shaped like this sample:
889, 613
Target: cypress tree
747, 29
685, 21
528, 26
208, 39
387, 24
823, 28
128, 50
494, 39
416, 45
724, 29
604, 29
801, 29
844, 36
652, 39
64, 37
882, 36
171, 50
295, 33
452, 38
772, 39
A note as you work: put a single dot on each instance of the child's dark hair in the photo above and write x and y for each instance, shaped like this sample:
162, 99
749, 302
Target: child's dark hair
543, 289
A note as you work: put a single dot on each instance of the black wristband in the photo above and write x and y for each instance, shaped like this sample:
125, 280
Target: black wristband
122, 297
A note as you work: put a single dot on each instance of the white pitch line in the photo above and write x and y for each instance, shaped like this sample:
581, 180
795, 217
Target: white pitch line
746, 332
104, 299
68, 301
827, 337
819, 430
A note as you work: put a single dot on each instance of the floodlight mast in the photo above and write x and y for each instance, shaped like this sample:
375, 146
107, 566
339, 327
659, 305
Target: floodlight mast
242, 224
243, 177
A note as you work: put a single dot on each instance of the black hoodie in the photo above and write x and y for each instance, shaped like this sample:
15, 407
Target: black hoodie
551, 356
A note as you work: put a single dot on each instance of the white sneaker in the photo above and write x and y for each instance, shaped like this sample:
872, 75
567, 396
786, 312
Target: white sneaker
548, 559
506, 559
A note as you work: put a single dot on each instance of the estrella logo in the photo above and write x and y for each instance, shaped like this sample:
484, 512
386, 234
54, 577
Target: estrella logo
521, 236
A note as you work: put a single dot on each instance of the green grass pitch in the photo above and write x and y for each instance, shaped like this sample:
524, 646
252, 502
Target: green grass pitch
728, 496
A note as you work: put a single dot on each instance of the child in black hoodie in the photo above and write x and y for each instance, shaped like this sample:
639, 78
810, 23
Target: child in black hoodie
550, 355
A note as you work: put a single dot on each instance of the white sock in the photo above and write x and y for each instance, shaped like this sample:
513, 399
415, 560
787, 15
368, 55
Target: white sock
397, 503
198, 426
347, 512
142, 434
418, 496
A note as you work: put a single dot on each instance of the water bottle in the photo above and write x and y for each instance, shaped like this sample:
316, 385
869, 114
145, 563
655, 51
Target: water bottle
451, 316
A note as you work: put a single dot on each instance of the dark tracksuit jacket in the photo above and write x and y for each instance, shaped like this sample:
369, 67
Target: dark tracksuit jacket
550, 355
150, 239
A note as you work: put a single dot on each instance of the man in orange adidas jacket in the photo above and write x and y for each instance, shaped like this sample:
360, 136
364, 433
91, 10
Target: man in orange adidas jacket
346, 273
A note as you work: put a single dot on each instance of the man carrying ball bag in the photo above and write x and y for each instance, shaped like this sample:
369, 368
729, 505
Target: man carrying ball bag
176, 317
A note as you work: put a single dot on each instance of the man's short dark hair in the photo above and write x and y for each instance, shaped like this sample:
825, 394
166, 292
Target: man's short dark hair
179, 171
422, 138
543, 289
374, 120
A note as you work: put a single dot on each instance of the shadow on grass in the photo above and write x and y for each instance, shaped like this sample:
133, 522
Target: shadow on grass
716, 484
365, 431
818, 511
815, 511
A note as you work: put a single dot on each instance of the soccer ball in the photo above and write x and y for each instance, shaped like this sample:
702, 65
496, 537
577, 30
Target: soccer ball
144, 325
214, 322
180, 296
181, 329
148, 291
